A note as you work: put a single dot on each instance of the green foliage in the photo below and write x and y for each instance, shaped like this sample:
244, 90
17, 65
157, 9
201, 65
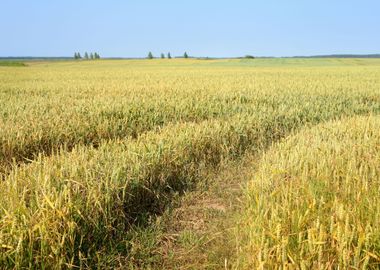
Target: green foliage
87, 56
77, 56
185, 55
150, 55
11, 63
169, 55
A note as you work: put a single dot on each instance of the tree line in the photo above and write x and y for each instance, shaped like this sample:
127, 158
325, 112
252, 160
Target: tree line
168, 56
95, 55
87, 56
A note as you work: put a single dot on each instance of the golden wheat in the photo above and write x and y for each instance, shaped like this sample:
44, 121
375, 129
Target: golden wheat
89, 149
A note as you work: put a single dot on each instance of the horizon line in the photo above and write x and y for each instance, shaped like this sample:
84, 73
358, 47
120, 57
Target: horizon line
350, 55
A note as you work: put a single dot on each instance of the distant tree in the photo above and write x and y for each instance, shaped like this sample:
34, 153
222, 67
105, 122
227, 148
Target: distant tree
150, 55
169, 55
86, 55
96, 56
75, 56
91, 56
185, 55
162, 56
79, 56
249, 57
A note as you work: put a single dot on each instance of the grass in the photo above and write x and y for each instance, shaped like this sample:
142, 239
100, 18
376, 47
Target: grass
11, 64
91, 153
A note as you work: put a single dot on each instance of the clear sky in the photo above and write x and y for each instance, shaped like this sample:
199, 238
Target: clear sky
132, 28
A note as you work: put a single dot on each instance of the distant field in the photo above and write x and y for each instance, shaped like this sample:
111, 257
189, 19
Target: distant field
11, 64
90, 149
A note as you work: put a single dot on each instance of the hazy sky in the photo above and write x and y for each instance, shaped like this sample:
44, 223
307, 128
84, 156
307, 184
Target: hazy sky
200, 27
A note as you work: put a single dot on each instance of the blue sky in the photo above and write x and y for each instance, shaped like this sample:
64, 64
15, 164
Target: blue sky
202, 28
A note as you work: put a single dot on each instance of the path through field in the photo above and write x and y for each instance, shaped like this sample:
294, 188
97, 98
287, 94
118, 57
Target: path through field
200, 232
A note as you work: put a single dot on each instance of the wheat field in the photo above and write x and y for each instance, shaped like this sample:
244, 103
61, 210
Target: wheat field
91, 149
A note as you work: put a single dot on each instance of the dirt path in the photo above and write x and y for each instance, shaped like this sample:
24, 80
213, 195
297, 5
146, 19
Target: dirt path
200, 232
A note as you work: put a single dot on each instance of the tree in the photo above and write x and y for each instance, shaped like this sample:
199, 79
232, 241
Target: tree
150, 55
77, 55
91, 56
97, 56
169, 55
185, 55
85, 55
162, 56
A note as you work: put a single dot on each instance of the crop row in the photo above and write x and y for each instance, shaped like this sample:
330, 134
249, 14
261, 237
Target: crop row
21, 141
314, 202
60, 210
47, 113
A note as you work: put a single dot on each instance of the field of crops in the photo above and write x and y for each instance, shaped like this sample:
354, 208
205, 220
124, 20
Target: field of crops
89, 149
